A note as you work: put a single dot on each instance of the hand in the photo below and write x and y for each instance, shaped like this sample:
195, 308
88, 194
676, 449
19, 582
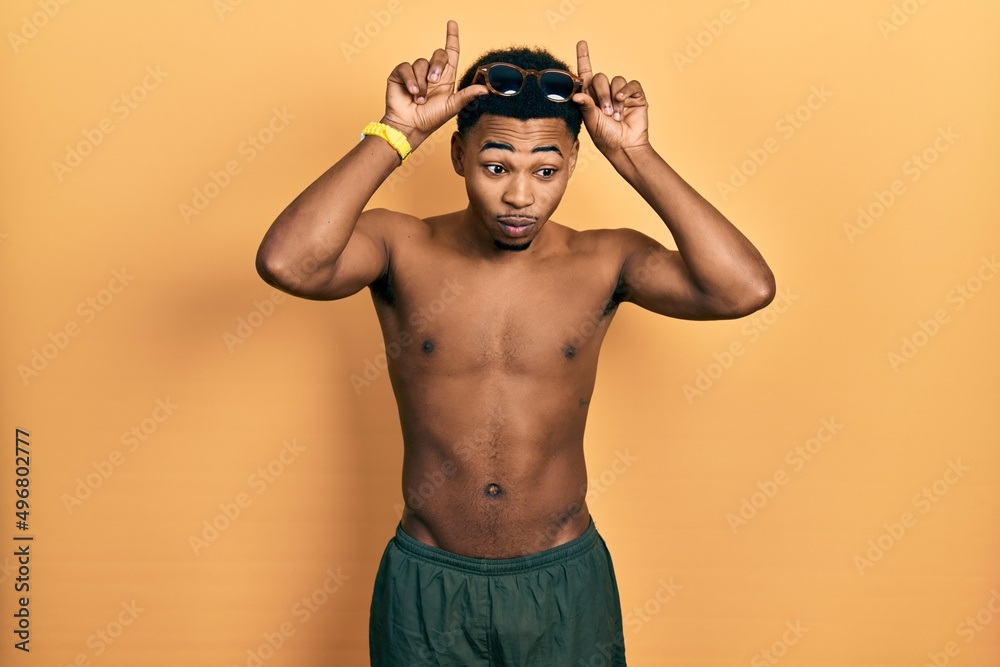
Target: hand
615, 112
421, 96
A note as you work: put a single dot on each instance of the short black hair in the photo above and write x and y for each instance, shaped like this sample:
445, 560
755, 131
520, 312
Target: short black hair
529, 103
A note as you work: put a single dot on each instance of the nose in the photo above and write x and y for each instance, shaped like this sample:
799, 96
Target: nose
518, 193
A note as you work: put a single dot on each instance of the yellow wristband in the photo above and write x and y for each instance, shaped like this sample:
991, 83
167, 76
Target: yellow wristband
395, 138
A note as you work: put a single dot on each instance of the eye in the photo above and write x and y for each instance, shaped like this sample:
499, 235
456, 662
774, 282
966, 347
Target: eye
495, 169
546, 172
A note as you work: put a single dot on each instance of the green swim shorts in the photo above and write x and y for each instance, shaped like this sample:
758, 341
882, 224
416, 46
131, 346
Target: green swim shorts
556, 608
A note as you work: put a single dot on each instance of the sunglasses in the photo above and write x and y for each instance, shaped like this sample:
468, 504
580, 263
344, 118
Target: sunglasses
508, 80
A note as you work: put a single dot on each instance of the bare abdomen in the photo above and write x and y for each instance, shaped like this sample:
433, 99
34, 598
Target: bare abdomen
496, 470
482, 513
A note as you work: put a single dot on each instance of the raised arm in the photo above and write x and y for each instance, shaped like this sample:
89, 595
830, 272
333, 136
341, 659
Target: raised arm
715, 273
323, 246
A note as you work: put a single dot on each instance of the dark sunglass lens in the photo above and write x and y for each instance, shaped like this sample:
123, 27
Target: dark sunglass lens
557, 86
505, 80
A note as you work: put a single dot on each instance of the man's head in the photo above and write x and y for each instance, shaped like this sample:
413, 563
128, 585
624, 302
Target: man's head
516, 153
529, 103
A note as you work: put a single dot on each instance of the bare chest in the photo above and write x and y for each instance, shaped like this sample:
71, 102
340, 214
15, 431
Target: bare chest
467, 317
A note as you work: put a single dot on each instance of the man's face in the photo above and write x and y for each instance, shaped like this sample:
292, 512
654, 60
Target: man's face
515, 173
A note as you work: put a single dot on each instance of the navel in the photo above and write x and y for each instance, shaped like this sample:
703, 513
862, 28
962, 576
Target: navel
492, 490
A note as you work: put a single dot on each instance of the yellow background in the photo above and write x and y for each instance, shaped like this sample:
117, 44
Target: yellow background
829, 550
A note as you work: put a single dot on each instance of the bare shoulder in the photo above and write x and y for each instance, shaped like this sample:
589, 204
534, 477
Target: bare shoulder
641, 267
391, 224
610, 245
387, 224
391, 229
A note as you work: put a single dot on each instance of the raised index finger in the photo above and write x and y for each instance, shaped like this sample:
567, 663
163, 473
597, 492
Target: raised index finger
451, 44
583, 68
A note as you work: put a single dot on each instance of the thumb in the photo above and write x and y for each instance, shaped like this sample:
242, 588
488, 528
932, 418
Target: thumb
461, 98
586, 102
587, 105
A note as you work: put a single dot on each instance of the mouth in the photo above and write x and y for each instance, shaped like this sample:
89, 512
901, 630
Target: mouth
516, 226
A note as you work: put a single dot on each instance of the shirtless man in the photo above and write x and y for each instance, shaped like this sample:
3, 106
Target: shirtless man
501, 564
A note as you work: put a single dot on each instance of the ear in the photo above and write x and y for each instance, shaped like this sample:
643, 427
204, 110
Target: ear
573, 153
458, 154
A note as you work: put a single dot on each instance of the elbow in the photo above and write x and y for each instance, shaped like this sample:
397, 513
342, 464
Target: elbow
760, 292
293, 275
271, 269
265, 265
766, 289
757, 293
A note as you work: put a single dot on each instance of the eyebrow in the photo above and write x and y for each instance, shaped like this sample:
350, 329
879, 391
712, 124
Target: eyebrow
507, 147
